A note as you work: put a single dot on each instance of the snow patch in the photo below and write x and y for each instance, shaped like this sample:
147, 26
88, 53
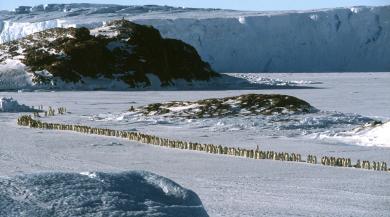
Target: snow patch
314, 17
242, 20
135, 193
355, 10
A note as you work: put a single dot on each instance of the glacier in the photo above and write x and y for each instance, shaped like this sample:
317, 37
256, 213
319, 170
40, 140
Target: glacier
340, 39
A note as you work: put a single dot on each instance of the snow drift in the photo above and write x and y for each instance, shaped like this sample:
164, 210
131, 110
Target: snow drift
367, 135
341, 39
96, 194
8, 104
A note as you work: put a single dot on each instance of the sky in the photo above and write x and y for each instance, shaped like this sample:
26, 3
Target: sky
225, 4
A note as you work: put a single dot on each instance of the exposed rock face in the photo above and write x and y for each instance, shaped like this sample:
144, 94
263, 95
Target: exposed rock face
250, 104
119, 50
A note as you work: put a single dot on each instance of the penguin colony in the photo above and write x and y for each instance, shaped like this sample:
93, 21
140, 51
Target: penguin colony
27, 120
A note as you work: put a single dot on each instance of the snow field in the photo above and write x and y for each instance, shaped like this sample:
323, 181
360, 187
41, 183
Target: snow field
227, 186
209, 148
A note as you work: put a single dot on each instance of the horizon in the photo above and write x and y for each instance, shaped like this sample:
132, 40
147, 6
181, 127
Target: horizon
249, 5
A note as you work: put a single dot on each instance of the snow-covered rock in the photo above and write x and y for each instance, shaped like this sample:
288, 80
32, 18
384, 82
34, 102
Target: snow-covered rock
243, 105
96, 194
341, 39
8, 104
120, 51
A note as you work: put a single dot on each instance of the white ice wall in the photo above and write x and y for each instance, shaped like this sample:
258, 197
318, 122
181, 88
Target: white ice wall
348, 39
338, 40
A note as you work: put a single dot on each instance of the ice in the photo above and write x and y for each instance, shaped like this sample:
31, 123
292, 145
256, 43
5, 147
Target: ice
134, 193
255, 78
8, 104
13, 76
328, 40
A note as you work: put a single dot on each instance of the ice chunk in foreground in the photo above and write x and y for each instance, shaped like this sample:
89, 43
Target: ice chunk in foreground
96, 194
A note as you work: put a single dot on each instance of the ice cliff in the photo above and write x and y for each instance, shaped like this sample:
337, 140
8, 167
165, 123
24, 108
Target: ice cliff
341, 39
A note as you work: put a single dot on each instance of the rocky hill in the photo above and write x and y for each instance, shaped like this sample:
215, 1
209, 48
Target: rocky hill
249, 104
118, 51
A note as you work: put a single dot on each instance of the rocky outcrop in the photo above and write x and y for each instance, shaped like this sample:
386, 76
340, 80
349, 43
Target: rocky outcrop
250, 104
120, 50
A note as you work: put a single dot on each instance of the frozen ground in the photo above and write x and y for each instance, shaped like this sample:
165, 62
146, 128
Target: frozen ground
227, 186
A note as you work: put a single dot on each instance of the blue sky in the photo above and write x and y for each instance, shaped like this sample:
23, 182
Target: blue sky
229, 4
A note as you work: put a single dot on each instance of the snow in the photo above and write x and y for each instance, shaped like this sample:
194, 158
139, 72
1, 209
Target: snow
341, 39
104, 30
241, 20
184, 107
8, 104
366, 136
355, 10
133, 193
314, 17
227, 186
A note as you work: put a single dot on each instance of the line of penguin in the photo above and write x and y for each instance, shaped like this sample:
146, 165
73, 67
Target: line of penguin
50, 112
27, 120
